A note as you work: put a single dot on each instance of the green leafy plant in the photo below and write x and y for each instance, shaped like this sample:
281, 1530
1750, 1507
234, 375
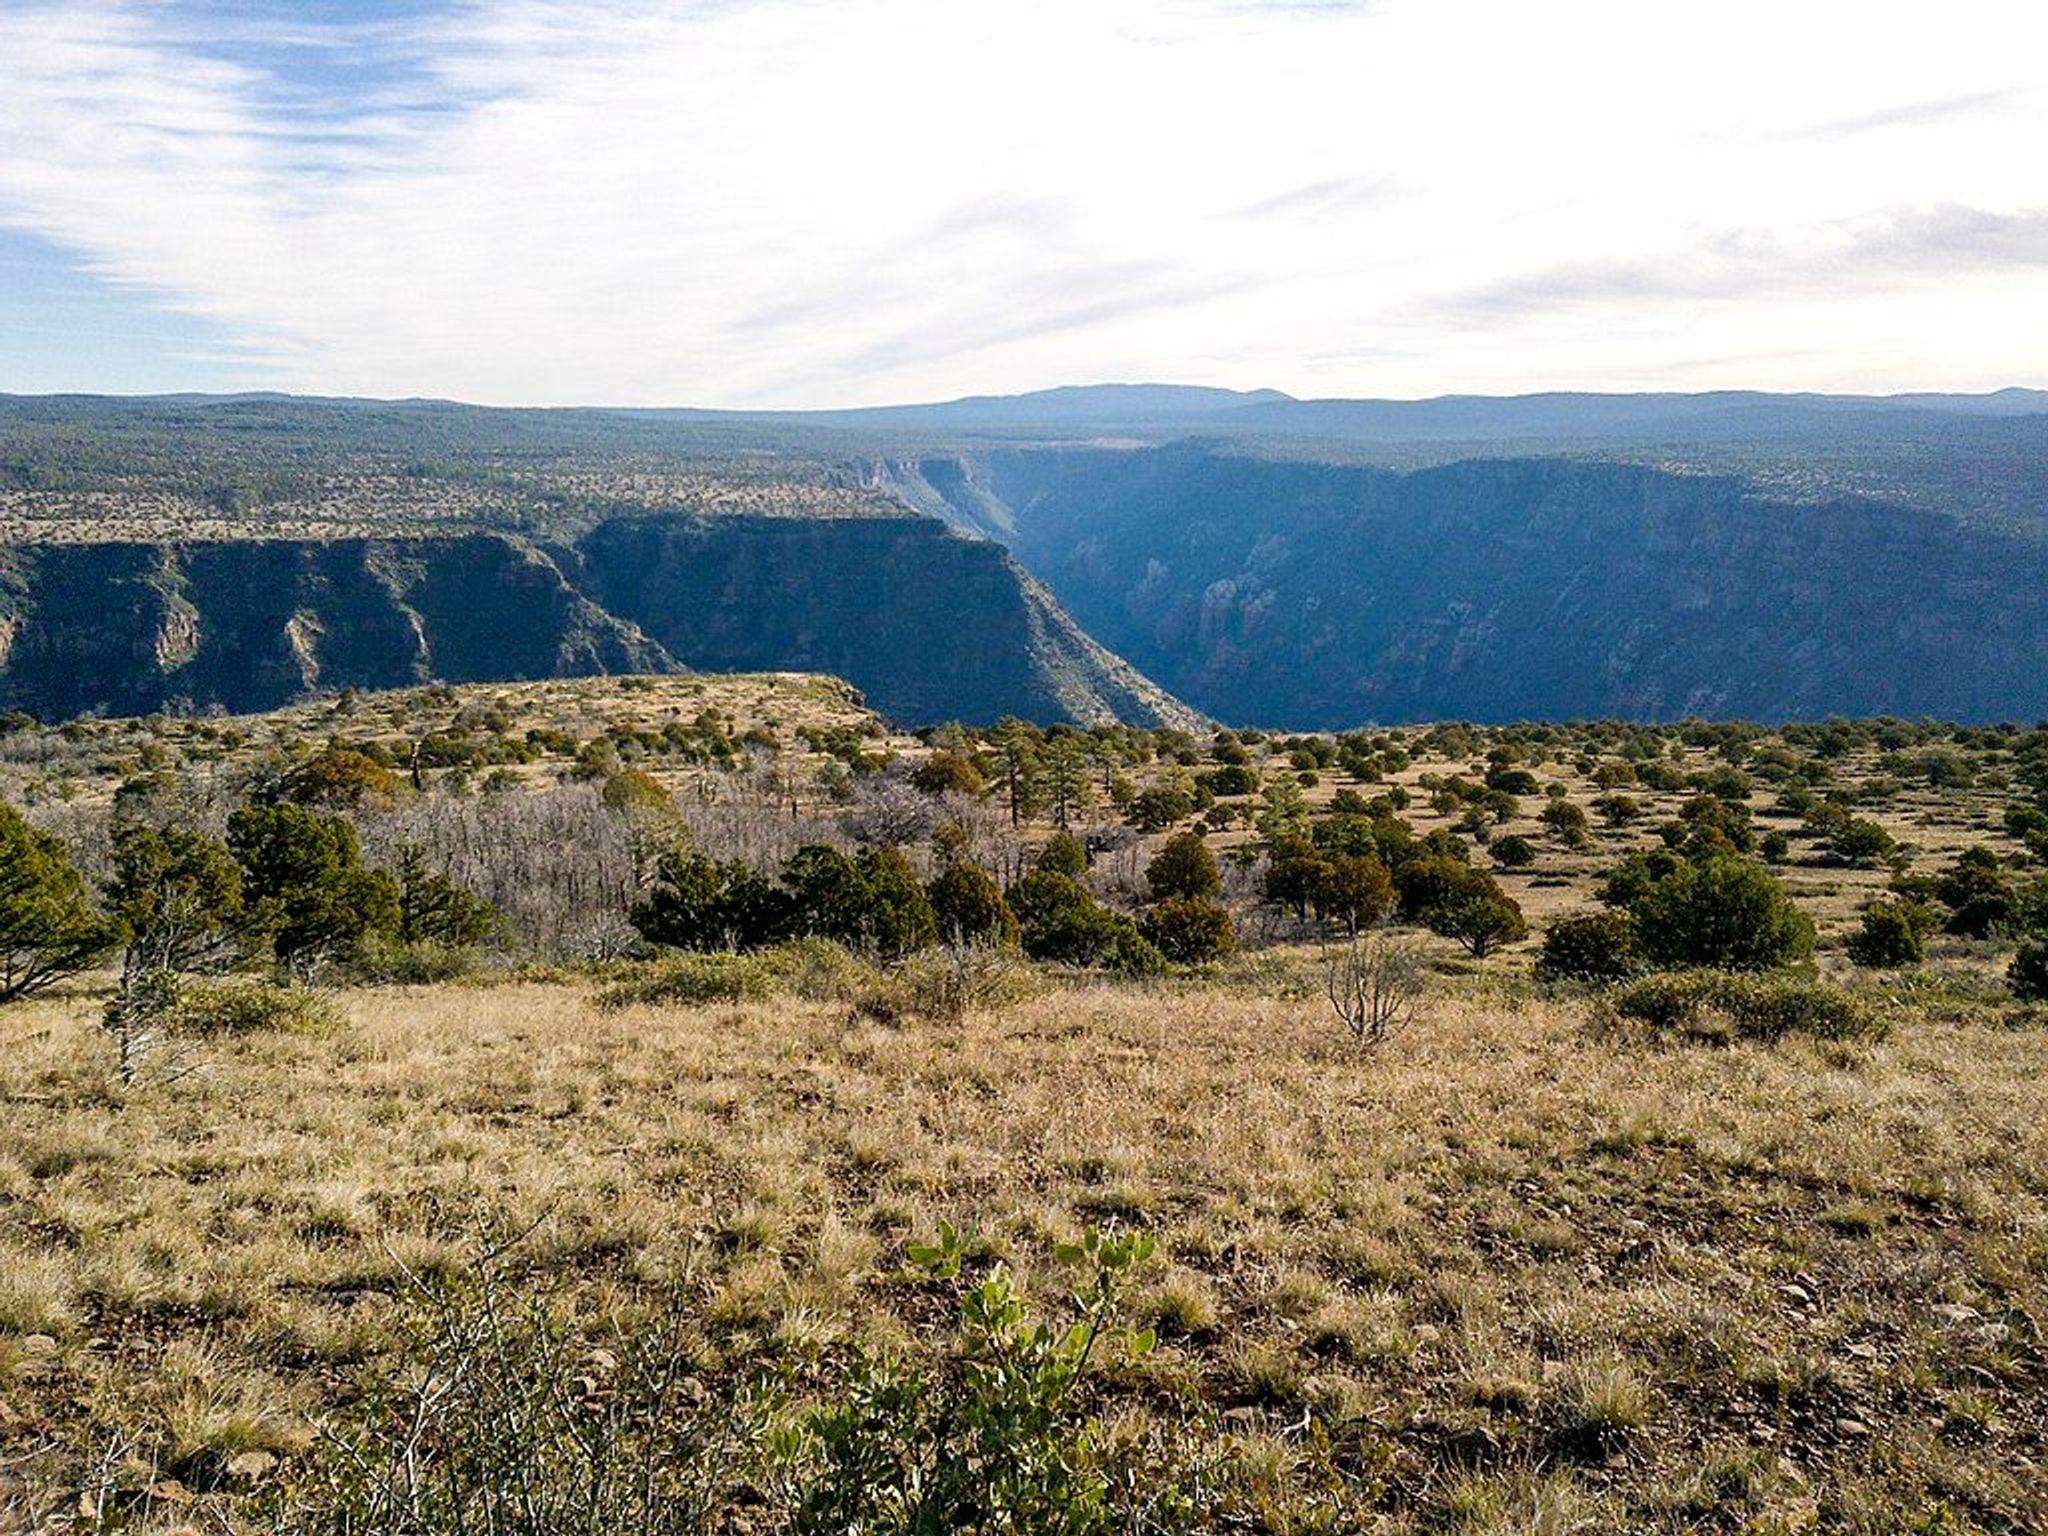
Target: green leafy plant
998, 1436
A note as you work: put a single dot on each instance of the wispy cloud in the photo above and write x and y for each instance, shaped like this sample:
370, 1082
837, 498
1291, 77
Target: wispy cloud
823, 201
1912, 114
1900, 247
1335, 194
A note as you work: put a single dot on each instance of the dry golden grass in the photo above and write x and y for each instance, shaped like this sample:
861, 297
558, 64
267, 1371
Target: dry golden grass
1560, 1283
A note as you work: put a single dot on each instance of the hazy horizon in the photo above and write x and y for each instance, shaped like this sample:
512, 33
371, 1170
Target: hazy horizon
1249, 393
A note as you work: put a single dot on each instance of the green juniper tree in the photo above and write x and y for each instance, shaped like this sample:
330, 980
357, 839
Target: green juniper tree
49, 929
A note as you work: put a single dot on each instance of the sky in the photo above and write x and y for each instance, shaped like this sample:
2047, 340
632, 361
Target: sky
778, 203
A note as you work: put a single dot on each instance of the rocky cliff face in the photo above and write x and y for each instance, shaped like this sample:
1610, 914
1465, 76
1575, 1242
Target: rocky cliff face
1305, 595
125, 627
929, 625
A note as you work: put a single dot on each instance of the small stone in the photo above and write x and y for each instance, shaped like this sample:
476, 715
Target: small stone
251, 1465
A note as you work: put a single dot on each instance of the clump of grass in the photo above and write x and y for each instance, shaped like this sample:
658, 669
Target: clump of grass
35, 1295
1601, 1405
1266, 1374
1181, 1306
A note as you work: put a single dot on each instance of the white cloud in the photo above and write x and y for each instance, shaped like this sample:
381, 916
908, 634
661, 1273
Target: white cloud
799, 202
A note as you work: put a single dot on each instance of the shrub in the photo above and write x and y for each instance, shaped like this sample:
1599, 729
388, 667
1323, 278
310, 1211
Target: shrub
1295, 871
1589, 946
1093, 936
1980, 898
948, 772
1042, 896
1854, 840
2028, 974
1156, 809
1428, 880
1513, 851
945, 985
48, 928
1710, 821
338, 776
698, 903
897, 918
1892, 934
968, 908
435, 910
688, 981
240, 1008
1714, 1005
1231, 779
414, 964
1618, 810
1479, 917
1063, 854
513, 1413
1183, 868
1189, 930
999, 1441
818, 970
1451, 898
178, 891
635, 790
1723, 913
1567, 823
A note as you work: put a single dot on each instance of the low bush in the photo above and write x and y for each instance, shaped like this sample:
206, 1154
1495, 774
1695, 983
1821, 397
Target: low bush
1513, 851
2028, 974
818, 970
392, 962
686, 981
247, 1007
1892, 934
1590, 946
945, 985
1189, 930
1720, 1005
1720, 912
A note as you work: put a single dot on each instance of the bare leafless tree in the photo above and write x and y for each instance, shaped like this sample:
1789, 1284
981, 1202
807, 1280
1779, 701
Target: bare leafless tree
1374, 982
